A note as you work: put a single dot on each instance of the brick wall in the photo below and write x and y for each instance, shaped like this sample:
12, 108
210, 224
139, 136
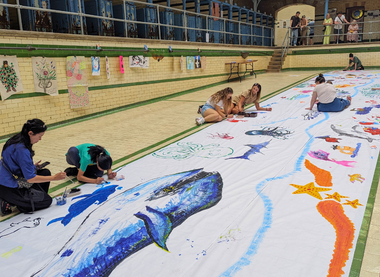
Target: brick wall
162, 78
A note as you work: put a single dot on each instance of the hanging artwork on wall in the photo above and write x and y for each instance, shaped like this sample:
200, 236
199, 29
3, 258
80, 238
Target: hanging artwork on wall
139, 61
203, 62
10, 77
107, 68
181, 61
190, 62
77, 82
45, 75
95, 62
197, 61
121, 64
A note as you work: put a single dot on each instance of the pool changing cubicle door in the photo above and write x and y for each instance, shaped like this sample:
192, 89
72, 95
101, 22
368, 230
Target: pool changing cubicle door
147, 14
118, 12
67, 23
95, 26
4, 16
36, 20
167, 17
245, 29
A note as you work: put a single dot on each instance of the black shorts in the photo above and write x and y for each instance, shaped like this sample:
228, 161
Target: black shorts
338, 31
311, 35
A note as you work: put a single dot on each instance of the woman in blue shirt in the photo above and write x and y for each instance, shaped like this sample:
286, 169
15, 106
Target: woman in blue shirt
17, 159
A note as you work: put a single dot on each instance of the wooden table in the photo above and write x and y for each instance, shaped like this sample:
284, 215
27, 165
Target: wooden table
235, 65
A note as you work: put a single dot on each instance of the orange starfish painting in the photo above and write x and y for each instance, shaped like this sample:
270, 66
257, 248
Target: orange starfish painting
336, 196
353, 204
309, 189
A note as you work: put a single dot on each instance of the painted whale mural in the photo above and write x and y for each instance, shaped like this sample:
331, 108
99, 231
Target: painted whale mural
117, 229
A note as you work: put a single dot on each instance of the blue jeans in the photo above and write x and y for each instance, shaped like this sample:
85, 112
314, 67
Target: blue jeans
335, 106
206, 107
294, 37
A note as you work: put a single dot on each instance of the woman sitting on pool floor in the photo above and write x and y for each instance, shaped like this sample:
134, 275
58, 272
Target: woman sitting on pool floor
217, 107
326, 94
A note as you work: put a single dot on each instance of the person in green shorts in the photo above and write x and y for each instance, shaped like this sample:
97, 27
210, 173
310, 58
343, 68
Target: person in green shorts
355, 63
90, 162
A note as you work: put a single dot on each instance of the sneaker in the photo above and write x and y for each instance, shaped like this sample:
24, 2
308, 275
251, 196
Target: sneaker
5, 207
71, 171
199, 120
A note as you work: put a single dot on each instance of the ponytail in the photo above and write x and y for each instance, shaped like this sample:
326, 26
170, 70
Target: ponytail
35, 125
98, 154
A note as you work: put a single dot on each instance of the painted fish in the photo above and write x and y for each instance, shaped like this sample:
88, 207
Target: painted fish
132, 220
255, 148
276, 132
372, 130
322, 155
328, 139
344, 133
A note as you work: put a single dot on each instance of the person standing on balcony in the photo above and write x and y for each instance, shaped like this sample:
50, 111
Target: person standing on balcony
294, 24
304, 29
311, 28
327, 28
338, 27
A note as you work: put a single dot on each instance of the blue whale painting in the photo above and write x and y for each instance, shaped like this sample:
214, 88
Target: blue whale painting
133, 219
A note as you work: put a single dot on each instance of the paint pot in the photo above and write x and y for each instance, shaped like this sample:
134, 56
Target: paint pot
119, 177
61, 200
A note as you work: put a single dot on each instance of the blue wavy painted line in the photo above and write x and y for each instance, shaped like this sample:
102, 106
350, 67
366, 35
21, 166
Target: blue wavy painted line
268, 207
356, 88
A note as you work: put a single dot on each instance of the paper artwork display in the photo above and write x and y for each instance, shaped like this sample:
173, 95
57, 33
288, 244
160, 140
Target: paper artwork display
203, 62
121, 59
139, 61
95, 62
190, 62
45, 75
181, 62
279, 194
77, 82
107, 68
197, 61
10, 77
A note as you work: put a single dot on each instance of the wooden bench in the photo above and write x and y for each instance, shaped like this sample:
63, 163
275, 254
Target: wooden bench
235, 65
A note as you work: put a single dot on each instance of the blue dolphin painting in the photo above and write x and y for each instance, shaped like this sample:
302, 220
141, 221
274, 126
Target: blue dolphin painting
133, 219
255, 148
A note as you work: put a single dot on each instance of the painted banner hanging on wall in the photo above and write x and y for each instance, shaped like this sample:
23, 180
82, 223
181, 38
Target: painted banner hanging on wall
197, 62
203, 63
45, 75
190, 62
10, 77
77, 82
95, 62
121, 59
107, 68
139, 61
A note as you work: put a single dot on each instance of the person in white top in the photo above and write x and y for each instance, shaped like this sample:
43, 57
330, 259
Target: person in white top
326, 94
217, 107
338, 27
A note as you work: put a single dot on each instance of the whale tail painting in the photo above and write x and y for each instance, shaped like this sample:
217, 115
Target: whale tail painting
132, 220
